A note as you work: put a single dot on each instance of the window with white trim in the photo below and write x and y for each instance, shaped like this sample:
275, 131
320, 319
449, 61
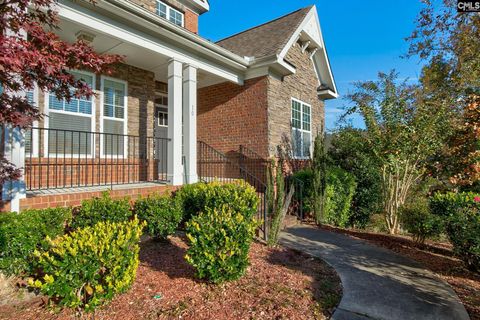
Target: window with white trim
71, 122
301, 129
169, 13
32, 99
114, 117
162, 118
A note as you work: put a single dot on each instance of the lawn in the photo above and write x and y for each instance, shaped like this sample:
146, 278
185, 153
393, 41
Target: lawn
435, 256
279, 284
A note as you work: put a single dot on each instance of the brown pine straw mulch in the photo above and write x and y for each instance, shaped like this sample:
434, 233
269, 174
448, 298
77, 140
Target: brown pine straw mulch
435, 256
279, 284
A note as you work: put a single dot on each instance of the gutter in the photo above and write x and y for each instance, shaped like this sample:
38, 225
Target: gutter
177, 32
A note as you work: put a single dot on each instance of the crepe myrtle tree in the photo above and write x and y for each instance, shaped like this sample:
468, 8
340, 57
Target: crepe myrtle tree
402, 134
31, 54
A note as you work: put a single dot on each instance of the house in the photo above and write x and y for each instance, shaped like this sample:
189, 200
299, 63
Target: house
179, 106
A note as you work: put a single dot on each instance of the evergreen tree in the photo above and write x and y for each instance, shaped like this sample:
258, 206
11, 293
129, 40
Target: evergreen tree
319, 167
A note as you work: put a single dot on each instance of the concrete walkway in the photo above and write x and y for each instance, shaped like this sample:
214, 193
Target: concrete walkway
377, 283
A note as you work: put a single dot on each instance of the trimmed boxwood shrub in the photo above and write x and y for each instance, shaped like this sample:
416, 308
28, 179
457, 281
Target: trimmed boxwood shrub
240, 196
220, 239
21, 234
90, 266
461, 211
419, 221
162, 214
101, 209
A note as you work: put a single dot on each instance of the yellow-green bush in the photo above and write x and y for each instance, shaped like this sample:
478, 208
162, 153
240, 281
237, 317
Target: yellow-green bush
88, 267
240, 196
220, 238
99, 209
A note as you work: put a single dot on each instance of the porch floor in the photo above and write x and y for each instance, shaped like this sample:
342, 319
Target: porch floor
49, 192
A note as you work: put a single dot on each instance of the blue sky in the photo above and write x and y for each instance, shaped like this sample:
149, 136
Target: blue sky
362, 37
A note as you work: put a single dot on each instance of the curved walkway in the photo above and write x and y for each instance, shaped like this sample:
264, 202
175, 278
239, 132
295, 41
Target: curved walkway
377, 283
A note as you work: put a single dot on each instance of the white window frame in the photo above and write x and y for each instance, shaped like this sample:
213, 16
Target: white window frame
91, 154
168, 13
103, 117
302, 130
34, 138
165, 113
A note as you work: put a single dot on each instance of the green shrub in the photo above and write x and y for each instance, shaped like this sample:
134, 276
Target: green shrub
90, 266
240, 196
463, 230
352, 152
162, 214
338, 196
377, 223
220, 238
306, 176
101, 209
419, 221
21, 234
192, 199
461, 211
447, 204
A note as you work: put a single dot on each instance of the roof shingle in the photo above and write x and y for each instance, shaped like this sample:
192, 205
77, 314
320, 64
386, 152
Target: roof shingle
267, 39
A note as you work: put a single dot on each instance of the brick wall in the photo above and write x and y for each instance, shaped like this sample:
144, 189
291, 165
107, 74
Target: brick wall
230, 115
191, 21
191, 18
75, 199
303, 86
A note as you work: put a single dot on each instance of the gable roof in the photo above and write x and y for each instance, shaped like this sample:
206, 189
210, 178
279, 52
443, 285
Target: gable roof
267, 39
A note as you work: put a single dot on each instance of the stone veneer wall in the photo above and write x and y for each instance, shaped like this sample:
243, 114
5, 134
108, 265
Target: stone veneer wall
191, 18
303, 86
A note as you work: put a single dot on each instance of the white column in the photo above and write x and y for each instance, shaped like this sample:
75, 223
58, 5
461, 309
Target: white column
13, 191
174, 166
14, 151
190, 123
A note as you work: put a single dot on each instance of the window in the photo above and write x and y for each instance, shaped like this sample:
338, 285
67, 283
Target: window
301, 129
161, 10
162, 118
169, 13
114, 117
71, 123
76, 105
32, 99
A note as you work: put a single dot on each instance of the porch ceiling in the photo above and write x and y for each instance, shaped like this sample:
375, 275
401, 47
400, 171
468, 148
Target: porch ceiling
134, 55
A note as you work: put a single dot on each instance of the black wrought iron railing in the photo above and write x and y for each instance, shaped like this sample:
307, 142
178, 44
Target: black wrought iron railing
253, 162
58, 158
257, 165
216, 166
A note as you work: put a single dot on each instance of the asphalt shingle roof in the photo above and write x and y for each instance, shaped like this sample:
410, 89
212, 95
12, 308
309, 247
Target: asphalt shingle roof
267, 39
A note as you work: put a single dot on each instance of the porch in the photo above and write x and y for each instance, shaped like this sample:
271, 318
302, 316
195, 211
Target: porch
141, 124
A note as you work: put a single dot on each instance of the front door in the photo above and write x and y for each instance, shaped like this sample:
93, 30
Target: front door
161, 139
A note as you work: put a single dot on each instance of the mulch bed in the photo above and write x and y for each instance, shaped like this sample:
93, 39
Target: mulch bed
279, 284
437, 257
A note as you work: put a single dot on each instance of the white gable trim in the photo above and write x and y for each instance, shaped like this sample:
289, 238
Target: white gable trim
310, 30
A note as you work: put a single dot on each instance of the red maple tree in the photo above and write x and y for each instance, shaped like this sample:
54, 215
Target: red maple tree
32, 54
